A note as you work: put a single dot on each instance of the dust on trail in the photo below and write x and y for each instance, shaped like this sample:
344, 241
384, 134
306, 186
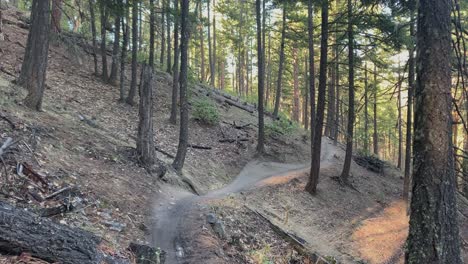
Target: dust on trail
174, 205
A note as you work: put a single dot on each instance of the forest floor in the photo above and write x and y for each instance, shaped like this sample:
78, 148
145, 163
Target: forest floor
84, 139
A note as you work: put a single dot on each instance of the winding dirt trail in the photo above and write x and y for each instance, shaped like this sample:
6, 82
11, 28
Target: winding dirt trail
174, 207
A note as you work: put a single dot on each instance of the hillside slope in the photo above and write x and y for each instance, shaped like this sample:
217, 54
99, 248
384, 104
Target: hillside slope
84, 138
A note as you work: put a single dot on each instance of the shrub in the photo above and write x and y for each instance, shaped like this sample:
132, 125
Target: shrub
281, 126
205, 111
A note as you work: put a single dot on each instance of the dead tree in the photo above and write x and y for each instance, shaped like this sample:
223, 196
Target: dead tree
33, 70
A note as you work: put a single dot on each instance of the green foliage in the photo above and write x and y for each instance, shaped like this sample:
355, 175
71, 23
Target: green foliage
205, 111
282, 126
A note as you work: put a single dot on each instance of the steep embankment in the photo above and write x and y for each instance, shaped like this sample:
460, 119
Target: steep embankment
84, 138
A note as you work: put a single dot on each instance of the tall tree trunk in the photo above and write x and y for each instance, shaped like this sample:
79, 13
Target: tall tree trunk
145, 142
133, 84
409, 112
310, 31
433, 230
296, 102
33, 69
163, 34
202, 47
350, 130
126, 33
175, 76
104, 13
215, 55
93, 33
366, 112
140, 25
311, 186
281, 65
115, 52
400, 131
210, 50
375, 137
169, 42
268, 68
331, 101
306, 98
261, 80
183, 135
152, 33
336, 123
56, 16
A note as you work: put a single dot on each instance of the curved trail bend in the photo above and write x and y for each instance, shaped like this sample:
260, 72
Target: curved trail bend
172, 209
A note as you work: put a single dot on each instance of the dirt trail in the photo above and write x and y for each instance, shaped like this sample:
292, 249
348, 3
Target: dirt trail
174, 205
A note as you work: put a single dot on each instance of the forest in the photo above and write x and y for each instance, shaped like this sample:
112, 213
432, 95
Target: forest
234, 131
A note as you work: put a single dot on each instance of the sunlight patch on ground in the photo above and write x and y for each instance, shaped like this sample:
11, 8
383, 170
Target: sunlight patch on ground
381, 239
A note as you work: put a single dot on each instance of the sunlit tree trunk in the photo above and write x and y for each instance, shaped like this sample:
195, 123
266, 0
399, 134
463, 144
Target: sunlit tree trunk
409, 112
350, 129
281, 65
433, 230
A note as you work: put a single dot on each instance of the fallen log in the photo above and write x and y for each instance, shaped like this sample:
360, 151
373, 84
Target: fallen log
158, 149
232, 140
199, 147
297, 243
22, 231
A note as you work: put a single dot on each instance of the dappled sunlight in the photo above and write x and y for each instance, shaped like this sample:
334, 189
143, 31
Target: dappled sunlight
380, 239
282, 179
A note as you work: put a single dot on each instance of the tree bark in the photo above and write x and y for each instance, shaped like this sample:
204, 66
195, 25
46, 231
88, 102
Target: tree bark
296, 100
126, 32
152, 33
433, 230
33, 69
133, 84
145, 143
336, 123
104, 13
366, 112
261, 79
93, 33
310, 31
281, 65
56, 16
183, 133
350, 130
210, 50
163, 34
202, 47
306, 97
115, 51
375, 137
22, 231
168, 31
400, 118
409, 112
311, 186
175, 75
